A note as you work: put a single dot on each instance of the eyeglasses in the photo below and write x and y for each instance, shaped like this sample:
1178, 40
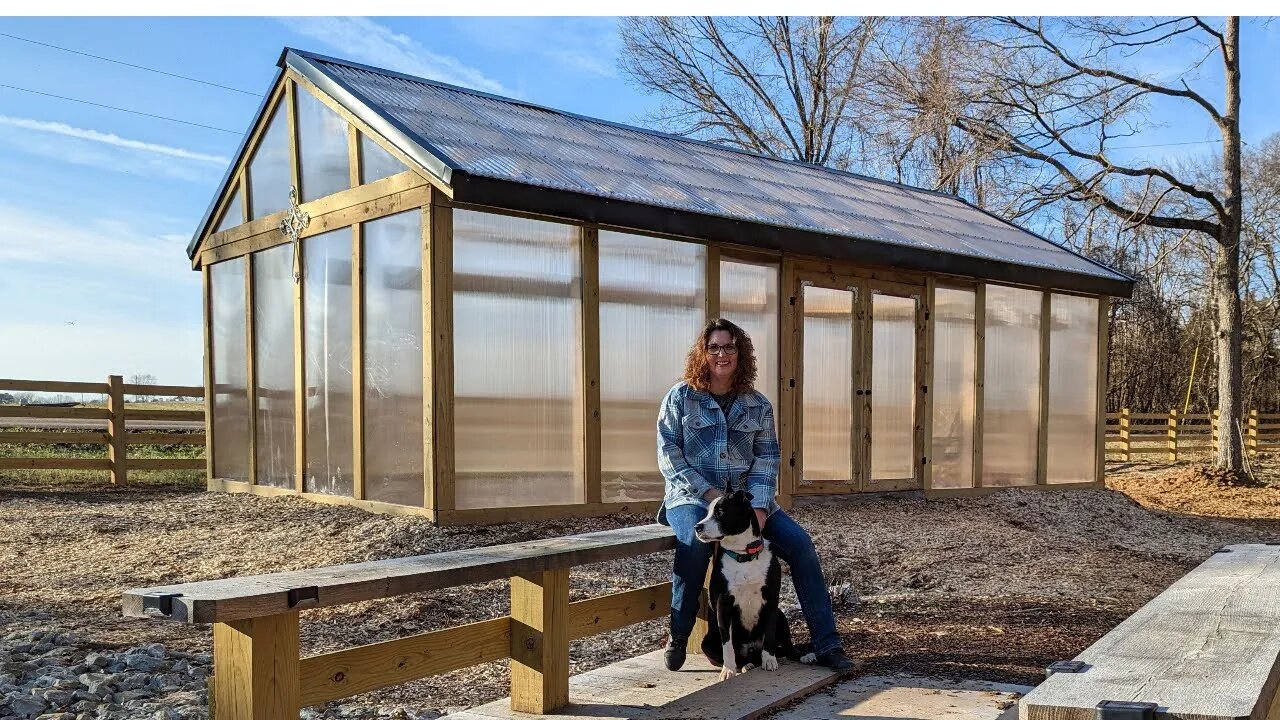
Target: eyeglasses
714, 349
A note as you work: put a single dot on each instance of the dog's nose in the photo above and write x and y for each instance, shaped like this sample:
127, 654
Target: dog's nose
699, 527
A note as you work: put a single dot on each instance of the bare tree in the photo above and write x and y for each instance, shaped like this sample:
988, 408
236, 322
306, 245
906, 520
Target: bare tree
142, 379
782, 87
1062, 96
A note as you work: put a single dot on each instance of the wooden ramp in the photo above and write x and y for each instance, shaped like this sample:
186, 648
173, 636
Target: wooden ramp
1207, 648
642, 688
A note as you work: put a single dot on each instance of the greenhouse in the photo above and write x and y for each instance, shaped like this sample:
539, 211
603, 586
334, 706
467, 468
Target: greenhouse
429, 300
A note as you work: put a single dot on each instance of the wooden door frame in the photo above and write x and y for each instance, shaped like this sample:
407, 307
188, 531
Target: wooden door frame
919, 416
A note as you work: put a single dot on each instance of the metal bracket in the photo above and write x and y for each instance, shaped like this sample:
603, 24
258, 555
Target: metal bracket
304, 597
161, 603
1065, 666
1126, 710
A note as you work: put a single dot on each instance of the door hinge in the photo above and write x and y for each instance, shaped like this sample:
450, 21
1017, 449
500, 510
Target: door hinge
791, 382
792, 461
792, 300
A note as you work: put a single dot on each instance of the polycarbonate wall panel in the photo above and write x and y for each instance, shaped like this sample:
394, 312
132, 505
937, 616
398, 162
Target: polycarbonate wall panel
652, 307
273, 364
269, 176
953, 388
1073, 389
393, 424
376, 163
230, 379
1011, 402
893, 387
322, 148
749, 298
326, 309
232, 215
828, 385
517, 316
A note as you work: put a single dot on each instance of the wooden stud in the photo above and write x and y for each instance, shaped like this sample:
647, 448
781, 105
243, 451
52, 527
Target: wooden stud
1042, 422
295, 156
979, 375
256, 664
299, 377
712, 283
1104, 317
245, 209
357, 361
590, 438
206, 297
863, 317
927, 388
789, 357
437, 294
251, 372
540, 641
117, 451
354, 159
1171, 432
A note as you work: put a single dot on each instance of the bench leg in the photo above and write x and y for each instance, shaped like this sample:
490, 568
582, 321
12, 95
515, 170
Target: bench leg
539, 641
256, 665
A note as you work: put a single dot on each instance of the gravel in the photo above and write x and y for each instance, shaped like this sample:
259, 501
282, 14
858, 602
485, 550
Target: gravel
989, 588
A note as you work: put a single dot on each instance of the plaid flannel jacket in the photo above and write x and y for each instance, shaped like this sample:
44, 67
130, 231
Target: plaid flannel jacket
699, 448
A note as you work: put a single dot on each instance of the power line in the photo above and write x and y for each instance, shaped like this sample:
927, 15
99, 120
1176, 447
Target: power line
129, 64
120, 109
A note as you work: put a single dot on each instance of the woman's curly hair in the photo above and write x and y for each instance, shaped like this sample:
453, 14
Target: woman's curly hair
696, 373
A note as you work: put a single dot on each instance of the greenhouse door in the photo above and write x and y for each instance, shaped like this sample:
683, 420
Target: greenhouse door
861, 385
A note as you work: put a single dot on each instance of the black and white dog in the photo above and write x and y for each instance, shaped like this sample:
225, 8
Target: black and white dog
746, 577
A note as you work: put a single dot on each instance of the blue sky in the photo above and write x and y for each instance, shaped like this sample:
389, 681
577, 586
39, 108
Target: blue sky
96, 206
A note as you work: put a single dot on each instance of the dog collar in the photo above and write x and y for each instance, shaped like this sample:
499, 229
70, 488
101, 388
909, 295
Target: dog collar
751, 552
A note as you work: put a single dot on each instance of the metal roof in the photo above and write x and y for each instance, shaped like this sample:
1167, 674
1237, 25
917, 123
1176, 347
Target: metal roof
508, 153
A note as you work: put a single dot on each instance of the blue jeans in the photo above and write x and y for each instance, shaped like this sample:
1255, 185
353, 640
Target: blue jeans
788, 541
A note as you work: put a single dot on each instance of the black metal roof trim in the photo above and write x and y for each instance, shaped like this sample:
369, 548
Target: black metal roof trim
485, 191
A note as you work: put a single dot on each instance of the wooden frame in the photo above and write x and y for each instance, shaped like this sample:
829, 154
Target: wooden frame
437, 293
1104, 354
1042, 422
590, 439
357, 361
980, 378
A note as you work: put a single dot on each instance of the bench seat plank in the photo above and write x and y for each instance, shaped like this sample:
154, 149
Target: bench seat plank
262, 595
1207, 648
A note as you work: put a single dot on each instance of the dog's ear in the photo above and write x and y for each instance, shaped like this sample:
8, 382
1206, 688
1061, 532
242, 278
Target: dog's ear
749, 497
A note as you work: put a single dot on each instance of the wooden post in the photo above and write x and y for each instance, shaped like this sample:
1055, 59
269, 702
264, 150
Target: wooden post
591, 455
979, 376
117, 449
789, 357
1104, 337
1213, 430
1252, 437
539, 641
926, 396
357, 353
255, 662
1124, 435
712, 283
251, 371
206, 302
437, 341
1042, 422
1172, 433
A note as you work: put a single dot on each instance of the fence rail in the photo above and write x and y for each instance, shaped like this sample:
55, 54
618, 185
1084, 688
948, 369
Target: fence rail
116, 437
1170, 434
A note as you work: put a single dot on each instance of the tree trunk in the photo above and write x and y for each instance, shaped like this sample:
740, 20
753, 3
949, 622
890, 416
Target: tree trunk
1226, 271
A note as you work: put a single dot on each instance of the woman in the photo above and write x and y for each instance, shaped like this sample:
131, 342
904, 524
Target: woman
715, 432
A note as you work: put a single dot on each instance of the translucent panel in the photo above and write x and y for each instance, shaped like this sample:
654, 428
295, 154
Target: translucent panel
322, 148
893, 387
1011, 405
269, 176
517, 370
326, 308
376, 163
749, 297
828, 385
273, 364
652, 306
393, 425
1073, 389
232, 215
953, 388
230, 377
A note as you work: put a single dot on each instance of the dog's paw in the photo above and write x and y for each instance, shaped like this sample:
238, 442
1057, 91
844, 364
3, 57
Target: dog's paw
809, 658
769, 662
726, 673
746, 667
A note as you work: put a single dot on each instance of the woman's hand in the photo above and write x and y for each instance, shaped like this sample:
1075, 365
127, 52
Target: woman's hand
712, 494
762, 516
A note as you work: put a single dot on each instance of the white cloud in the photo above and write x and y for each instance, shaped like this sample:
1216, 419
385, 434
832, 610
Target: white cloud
588, 45
65, 130
358, 38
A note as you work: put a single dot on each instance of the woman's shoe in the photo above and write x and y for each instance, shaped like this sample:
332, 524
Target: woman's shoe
674, 654
834, 659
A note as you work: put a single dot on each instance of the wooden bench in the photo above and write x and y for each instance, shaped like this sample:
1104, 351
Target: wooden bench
259, 675
1205, 648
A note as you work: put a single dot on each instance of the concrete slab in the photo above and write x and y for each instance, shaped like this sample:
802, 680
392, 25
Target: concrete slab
641, 688
904, 697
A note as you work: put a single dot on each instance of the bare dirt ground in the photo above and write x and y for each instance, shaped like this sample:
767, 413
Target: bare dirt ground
991, 588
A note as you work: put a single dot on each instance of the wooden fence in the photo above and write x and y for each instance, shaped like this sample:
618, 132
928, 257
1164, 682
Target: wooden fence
1168, 435
116, 435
